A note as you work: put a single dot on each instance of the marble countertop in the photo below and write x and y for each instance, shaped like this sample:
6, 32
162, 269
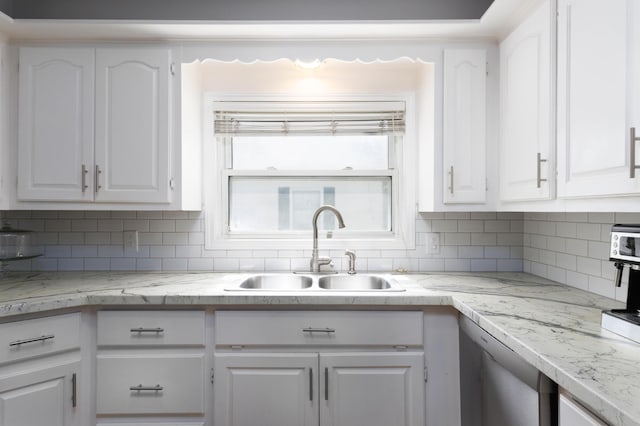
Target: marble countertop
556, 328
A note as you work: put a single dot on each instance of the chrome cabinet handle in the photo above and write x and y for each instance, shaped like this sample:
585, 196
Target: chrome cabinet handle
32, 340
147, 330
74, 393
140, 388
326, 384
632, 153
318, 330
539, 162
451, 179
97, 179
311, 384
84, 178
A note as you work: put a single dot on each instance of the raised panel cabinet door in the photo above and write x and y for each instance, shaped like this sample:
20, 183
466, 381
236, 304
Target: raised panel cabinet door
132, 125
593, 82
526, 109
266, 389
372, 389
55, 124
40, 398
464, 165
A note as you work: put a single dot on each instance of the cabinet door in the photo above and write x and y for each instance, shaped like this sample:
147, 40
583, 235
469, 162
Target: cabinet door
570, 413
132, 125
55, 124
527, 108
464, 126
266, 389
40, 398
372, 389
593, 80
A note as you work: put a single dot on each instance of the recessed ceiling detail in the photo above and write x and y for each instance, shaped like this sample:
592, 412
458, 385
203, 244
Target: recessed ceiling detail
248, 10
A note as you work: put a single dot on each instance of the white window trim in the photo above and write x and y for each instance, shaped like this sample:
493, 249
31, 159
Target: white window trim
404, 187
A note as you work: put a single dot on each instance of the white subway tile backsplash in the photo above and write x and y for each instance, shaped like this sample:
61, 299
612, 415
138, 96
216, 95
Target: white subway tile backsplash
146, 264
429, 265
510, 265
126, 264
566, 261
484, 265
457, 265
97, 238
162, 226
84, 225
162, 251
96, 264
497, 226
457, 239
471, 252
484, 239
175, 241
276, 265
71, 238
201, 264
471, 226
444, 226
177, 238
169, 264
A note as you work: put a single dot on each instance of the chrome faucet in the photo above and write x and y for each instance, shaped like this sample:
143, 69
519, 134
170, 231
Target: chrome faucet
318, 261
352, 261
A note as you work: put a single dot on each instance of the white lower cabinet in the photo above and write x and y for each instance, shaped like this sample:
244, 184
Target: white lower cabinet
151, 368
40, 372
266, 389
372, 389
41, 397
305, 389
310, 374
571, 413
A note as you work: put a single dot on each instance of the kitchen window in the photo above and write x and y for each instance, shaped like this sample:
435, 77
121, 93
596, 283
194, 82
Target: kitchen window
278, 161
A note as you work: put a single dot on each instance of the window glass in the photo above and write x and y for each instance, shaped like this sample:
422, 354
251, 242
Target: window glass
266, 204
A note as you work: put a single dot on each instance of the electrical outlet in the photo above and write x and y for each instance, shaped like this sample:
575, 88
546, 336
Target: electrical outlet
433, 243
131, 240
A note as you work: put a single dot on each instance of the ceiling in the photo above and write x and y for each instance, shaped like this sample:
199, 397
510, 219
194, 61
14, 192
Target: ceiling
247, 10
40, 20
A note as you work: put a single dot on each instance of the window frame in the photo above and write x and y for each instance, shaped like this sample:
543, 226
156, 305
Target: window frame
401, 169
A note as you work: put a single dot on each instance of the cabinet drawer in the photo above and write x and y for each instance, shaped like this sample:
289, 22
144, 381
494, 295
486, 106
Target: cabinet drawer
162, 384
41, 336
318, 328
150, 328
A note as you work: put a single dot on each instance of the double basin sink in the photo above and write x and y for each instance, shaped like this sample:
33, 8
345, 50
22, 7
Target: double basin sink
318, 282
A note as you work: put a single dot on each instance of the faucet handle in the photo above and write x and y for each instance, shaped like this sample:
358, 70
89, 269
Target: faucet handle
352, 261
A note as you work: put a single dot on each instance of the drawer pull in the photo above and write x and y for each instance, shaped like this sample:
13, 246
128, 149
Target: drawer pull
140, 388
32, 340
147, 330
318, 330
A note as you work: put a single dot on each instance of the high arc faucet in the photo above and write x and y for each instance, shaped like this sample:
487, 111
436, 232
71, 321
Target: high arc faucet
316, 260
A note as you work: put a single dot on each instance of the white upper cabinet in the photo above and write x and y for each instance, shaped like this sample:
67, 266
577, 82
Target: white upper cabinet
596, 79
527, 108
125, 156
55, 123
132, 125
464, 139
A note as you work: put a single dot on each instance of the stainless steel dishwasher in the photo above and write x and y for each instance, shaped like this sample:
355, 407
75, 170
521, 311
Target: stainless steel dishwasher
499, 388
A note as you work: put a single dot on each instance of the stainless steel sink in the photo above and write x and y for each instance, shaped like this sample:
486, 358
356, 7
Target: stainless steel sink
277, 282
317, 282
357, 283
